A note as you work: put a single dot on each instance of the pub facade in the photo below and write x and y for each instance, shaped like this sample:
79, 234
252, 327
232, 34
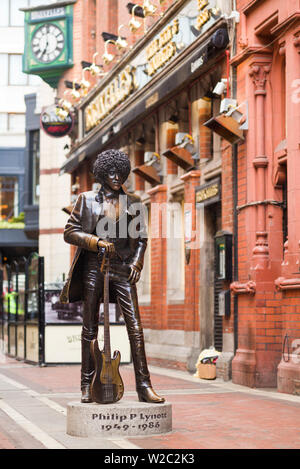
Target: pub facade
159, 104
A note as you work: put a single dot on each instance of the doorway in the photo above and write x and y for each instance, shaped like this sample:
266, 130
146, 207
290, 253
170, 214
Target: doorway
211, 324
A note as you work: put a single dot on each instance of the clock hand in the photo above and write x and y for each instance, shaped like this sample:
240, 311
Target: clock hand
46, 46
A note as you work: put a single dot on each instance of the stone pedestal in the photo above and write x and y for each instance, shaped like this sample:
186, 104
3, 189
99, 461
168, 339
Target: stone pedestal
124, 418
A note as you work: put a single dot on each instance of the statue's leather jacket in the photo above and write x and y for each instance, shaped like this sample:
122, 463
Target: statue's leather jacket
80, 230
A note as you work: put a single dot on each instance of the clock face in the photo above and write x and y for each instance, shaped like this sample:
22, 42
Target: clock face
47, 43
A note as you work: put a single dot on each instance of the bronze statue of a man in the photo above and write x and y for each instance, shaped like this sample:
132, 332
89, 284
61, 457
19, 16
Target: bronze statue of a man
107, 221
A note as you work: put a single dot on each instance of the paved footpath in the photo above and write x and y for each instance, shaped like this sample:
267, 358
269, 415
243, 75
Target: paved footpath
206, 414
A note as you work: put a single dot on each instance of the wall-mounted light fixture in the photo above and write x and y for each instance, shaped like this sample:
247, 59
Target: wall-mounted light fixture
66, 105
96, 70
134, 24
140, 141
73, 92
241, 116
151, 169
220, 87
61, 113
121, 42
174, 115
149, 8
108, 58
72, 84
73, 88
109, 37
183, 152
227, 127
84, 84
174, 118
135, 9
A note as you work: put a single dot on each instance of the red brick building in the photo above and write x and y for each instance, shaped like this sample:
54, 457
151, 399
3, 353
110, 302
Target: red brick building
152, 103
236, 181
267, 67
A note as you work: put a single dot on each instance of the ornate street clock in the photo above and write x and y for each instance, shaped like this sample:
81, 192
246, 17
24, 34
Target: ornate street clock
49, 40
47, 43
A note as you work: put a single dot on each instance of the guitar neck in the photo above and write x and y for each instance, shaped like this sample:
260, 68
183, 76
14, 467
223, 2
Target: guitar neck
107, 348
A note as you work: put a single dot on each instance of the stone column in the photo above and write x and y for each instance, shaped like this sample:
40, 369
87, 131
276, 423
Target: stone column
259, 71
255, 361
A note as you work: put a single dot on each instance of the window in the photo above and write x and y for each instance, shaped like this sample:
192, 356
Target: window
4, 17
11, 72
3, 122
16, 123
34, 140
144, 284
16, 76
9, 193
17, 16
174, 222
4, 69
11, 14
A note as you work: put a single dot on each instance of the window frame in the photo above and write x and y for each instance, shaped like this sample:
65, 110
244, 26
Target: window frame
7, 73
9, 24
15, 132
10, 15
10, 74
18, 181
8, 130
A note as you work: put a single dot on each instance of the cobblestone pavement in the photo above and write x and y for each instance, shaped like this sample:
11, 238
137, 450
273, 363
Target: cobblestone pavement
206, 414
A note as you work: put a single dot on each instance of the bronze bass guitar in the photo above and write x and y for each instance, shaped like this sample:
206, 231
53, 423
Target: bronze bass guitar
107, 385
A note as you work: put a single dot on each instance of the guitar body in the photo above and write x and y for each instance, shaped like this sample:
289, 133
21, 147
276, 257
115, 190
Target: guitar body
107, 386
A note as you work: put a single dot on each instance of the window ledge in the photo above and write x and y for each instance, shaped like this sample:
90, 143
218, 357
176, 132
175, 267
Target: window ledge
179, 300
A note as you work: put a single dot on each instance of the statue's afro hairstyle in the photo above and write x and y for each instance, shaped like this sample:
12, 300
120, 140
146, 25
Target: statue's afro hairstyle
109, 159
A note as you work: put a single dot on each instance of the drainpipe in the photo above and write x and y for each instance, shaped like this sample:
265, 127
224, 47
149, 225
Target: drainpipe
235, 220
235, 238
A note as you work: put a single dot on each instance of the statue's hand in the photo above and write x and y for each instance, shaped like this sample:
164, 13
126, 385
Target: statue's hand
134, 275
109, 247
105, 250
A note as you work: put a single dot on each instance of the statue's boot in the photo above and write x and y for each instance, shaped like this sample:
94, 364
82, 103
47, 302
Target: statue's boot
142, 376
87, 364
